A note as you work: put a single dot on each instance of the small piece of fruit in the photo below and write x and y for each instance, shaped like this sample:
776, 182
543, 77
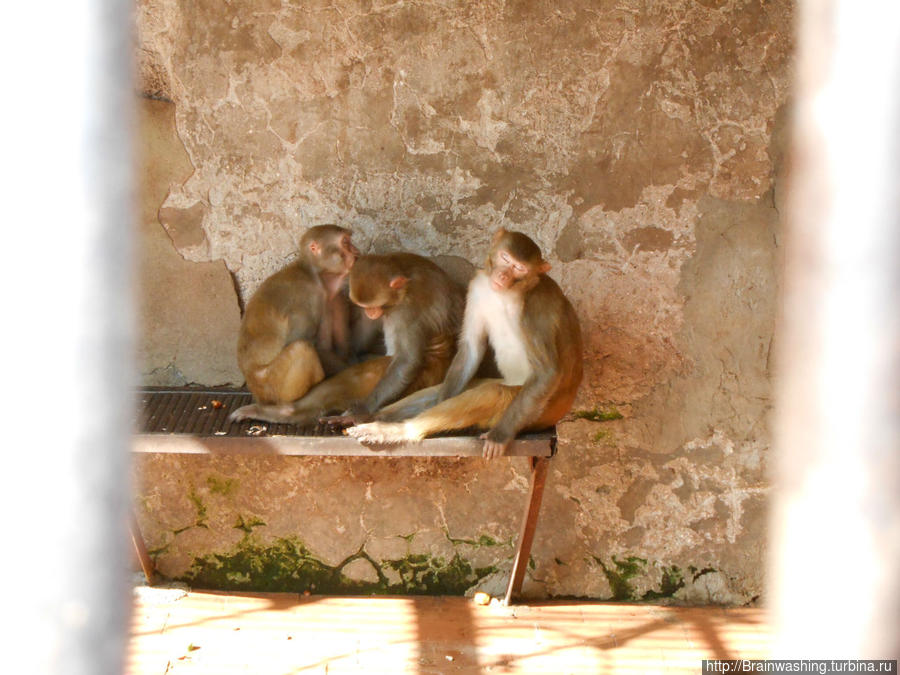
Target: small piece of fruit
482, 598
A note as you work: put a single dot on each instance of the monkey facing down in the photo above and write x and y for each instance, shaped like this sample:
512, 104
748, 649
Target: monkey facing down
536, 338
421, 309
295, 328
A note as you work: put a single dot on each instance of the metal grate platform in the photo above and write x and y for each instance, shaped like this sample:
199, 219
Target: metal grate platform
204, 412
195, 421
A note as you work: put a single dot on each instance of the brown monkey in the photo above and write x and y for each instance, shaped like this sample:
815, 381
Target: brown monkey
421, 309
295, 328
537, 343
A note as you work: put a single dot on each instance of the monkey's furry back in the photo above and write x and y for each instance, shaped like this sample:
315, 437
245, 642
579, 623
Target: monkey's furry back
435, 301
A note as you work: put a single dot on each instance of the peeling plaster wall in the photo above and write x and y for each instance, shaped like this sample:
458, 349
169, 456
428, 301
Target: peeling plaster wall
639, 144
188, 310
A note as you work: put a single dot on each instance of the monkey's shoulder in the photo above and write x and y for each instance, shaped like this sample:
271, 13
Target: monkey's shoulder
430, 282
547, 305
291, 286
406, 258
547, 294
416, 266
407, 263
289, 276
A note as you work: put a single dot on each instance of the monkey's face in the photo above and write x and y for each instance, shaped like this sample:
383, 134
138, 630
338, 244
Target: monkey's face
374, 290
506, 270
373, 304
336, 254
514, 262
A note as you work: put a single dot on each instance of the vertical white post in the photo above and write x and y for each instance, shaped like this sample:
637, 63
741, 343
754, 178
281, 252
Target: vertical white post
66, 271
836, 521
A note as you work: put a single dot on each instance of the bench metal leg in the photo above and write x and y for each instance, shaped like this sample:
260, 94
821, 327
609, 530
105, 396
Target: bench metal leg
529, 523
141, 549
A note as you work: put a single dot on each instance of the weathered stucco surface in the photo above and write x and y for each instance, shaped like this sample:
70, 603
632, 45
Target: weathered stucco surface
188, 311
638, 143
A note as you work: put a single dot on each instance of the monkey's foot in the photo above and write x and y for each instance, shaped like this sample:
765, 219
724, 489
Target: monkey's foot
245, 412
258, 411
383, 433
343, 421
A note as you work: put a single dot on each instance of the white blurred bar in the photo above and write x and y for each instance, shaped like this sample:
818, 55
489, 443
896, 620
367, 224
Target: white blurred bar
67, 316
836, 520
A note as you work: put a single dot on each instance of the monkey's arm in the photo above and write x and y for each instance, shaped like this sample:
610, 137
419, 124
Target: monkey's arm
462, 368
532, 398
469, 352
525, 407
404, 368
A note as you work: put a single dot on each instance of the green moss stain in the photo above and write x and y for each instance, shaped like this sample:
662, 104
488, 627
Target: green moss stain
287, 565
602, 437
154, 552
672, 581
621, 573
482, 541
282, 565
221, 486
599, 414
200, 507
696, 574
426, 575
247, 524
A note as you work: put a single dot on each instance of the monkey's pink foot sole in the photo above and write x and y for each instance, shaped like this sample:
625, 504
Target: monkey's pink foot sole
381, 432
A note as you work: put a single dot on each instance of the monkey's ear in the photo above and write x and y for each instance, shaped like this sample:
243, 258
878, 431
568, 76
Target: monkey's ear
544, 267
314, 248
498, 235
398, 282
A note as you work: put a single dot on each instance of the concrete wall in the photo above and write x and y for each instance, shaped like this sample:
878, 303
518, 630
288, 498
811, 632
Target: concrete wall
640, 144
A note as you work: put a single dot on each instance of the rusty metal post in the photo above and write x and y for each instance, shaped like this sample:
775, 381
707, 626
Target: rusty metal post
140, 550
539, 467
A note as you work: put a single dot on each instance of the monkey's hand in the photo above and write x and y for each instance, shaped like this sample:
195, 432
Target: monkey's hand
357, 413
494, 446
346, 419
383, 433
338, 421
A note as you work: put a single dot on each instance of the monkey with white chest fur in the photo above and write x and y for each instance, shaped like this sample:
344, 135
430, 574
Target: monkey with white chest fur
536, 338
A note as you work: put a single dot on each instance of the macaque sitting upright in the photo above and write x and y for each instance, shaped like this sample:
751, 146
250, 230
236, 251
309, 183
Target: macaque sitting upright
536, 338
295, 329
421, 309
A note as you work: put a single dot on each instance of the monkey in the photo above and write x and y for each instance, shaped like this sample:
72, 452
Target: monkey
534, 331
421, 309
295, 328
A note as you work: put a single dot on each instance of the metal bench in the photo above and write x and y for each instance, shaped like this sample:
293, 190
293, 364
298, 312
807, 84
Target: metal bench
194, 421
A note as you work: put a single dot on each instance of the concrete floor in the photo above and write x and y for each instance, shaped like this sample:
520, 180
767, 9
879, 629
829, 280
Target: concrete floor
278, 634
